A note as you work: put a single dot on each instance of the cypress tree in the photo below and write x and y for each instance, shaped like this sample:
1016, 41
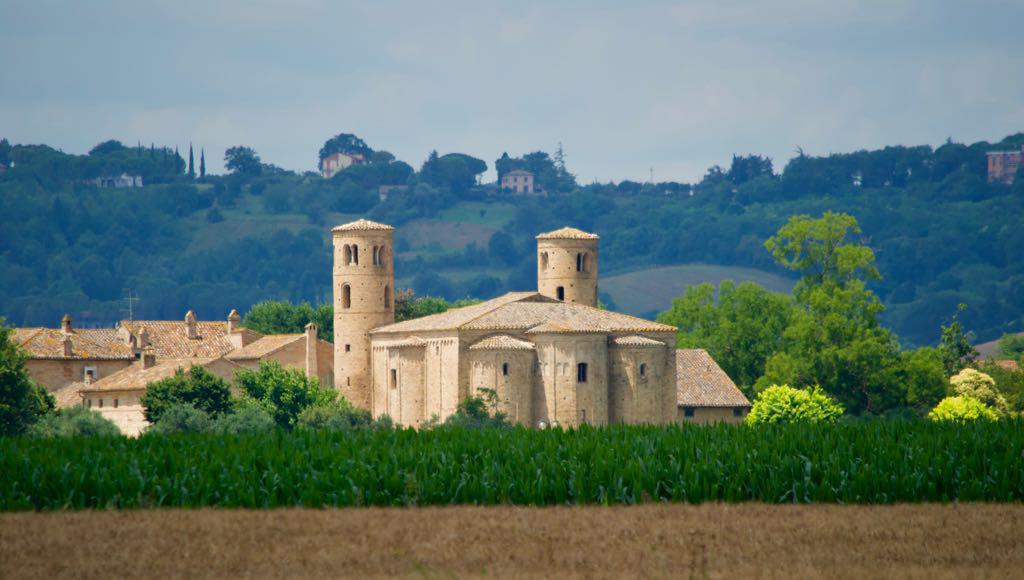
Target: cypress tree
191, 162
202, 163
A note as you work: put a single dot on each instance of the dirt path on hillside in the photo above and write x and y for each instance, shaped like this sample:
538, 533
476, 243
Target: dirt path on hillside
681, 541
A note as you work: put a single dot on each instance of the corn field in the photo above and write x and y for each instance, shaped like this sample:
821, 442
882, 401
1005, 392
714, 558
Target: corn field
868, 462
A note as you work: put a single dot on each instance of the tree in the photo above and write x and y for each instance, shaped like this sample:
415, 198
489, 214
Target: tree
249, 419
740, 330
343, 143
106, 148
978, 385
478, 412
820, 251
749, 167
340, 416
197, 388
1011, 346
181, 418
191, 162
284, 393
785, 405
283, 317
22, 402
502, 249
5, 151
74, 421
202, 163
962, 409
955, 345
455, 171
242, 161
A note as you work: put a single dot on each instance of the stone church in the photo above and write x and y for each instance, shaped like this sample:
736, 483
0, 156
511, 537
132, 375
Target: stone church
552, 356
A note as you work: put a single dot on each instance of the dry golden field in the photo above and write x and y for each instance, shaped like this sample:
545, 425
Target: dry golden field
703, 541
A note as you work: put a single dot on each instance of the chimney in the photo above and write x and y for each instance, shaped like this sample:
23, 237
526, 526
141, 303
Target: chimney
67, 344
143, 337
191, 328
65, 324
311, 351
233, 321
148, 357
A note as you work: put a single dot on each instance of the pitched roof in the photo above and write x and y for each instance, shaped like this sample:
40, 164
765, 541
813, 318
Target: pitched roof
362, 224
264, 346
568, 234
170, 340
563, 327
636, 341
502, 342
86, 344
135, 377
700, 382
519, 172
561, 317
455, 317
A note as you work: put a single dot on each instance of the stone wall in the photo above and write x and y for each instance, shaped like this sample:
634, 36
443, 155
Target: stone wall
511, 375
57, 374
637, 384
558, 395
705, 415
122, 407
557, 268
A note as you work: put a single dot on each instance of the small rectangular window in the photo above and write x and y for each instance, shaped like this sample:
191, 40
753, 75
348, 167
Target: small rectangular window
116, 402
688, 411
504, 369
394, 378
348, 348
581, 373
101, 403
88, 403
737, 412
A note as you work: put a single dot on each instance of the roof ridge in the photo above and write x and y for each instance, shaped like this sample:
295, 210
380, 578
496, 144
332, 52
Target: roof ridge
482, 314
617, 313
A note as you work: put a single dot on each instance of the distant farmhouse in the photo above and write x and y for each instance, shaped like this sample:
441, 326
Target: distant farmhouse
337, 162
116, 181
552, 356
519, 181
1003, 165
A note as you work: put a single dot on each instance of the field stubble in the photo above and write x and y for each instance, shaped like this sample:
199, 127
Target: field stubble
654, 540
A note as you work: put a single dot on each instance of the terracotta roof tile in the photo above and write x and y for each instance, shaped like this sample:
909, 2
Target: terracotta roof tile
411, 342
700, 382
636, 341
170, 340
568, 316
502, 342
456, 317
86, 344
568, 234
135, 377
362, 224
264, 346
563, 327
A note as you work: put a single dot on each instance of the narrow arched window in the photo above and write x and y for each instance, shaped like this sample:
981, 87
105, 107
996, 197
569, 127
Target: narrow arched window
504, 369
387, 297
348, 254
643, 370
543, 260
346, 296
579, 262
561, 292
355, 254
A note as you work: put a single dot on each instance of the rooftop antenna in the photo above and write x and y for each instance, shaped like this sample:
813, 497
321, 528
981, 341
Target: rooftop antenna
131, 299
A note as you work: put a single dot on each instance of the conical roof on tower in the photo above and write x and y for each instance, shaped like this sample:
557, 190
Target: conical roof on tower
364, 225
568, 233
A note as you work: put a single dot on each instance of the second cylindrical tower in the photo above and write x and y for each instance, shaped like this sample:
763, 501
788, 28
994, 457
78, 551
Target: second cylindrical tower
364, 288
567, 266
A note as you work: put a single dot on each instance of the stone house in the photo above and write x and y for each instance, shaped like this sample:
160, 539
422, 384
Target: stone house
551, 356
338, 162
705, 393
108, 369
1003, 165
518, 181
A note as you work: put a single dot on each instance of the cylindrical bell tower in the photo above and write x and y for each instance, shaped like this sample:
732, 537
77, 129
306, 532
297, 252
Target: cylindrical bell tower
567, 266
364, 299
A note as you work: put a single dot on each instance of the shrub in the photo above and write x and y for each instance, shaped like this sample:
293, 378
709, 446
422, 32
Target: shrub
981, 387
962, 409
181, 418
22, 402
285, 393
248, 419
74, 422
479, 412
198, 388
334, 417
784, 404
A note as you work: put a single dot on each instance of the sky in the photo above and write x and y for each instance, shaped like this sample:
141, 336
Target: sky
626, 87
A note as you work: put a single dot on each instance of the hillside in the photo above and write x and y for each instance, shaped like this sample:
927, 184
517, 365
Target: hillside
942, 235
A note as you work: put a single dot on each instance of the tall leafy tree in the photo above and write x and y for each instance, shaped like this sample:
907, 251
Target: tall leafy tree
284, 393
242, 160
343, 143
22, 402
191, 162
202, 163
196, 387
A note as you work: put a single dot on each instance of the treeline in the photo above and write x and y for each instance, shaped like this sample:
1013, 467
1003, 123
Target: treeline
942, 234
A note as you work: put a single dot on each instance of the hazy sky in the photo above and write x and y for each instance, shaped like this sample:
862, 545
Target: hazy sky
625, 86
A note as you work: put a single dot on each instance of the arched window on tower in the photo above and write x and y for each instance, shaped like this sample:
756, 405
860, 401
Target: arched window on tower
504, 369
346, 296
348, 254
579, 262
560, 292
543, 260
375, 255
387, 297
355, 254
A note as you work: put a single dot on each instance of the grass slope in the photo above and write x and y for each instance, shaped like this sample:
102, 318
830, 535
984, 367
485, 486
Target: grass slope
643, 291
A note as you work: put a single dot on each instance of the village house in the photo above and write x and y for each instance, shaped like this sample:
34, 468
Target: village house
705, 393
1003, 165
518, 181
116, 181
108, 370
338, 162
551, 356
